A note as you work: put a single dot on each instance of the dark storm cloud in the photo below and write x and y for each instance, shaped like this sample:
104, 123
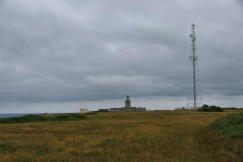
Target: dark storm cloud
70, 50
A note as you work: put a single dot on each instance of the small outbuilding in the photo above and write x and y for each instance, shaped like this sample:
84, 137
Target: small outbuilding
84, 110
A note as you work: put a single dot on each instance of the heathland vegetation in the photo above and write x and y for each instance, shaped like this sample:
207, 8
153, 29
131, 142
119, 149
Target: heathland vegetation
131, 137
231, 126
42, 118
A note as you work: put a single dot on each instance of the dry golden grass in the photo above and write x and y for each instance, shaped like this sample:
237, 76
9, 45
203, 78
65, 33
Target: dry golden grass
130, 137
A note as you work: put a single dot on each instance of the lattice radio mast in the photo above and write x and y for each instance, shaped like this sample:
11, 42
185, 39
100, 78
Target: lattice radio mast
194, 63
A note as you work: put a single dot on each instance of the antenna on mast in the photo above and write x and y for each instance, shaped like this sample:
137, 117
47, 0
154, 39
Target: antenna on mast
194, 63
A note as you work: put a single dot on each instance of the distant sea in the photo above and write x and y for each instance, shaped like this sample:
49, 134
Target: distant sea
10, 115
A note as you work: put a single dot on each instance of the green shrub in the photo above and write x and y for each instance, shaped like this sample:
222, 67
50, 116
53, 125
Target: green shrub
206, 108
40, 118
92, 113
65, 117
231, 125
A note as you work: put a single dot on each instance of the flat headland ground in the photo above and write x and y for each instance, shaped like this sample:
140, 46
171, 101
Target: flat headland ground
121, 136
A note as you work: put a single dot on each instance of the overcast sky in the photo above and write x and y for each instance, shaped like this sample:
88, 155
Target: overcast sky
58, 55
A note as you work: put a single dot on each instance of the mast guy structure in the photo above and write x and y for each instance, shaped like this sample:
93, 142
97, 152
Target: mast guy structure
194, 63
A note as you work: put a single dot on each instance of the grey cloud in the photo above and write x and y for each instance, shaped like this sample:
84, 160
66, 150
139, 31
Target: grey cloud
87, 50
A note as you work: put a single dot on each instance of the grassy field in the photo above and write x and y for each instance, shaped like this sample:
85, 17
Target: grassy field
154, 136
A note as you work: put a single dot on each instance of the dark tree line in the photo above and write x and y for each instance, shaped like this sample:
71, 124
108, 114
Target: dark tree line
207, 108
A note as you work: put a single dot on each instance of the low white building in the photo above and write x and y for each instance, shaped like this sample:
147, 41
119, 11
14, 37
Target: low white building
84, 110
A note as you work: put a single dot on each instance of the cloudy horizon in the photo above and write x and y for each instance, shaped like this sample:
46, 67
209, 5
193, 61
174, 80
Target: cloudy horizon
58, 56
